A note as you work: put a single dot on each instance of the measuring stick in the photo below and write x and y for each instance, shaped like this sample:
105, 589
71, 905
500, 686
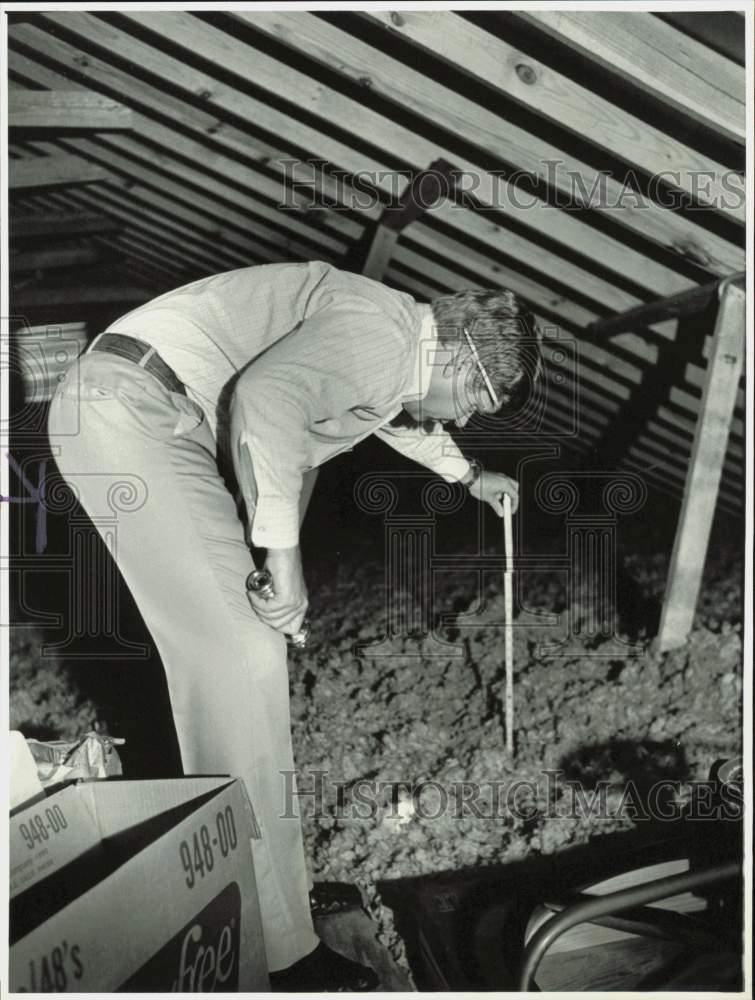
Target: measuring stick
508, 612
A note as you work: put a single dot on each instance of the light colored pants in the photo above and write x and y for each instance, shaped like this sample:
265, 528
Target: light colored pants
179, 544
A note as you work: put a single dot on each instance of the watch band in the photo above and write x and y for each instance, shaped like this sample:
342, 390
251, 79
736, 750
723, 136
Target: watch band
475, 471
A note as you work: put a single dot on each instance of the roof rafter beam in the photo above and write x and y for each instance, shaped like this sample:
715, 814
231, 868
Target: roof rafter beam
658, 59
682, 304
42, 260
66, 109
60, 169
73, 295
413, 201
26, 226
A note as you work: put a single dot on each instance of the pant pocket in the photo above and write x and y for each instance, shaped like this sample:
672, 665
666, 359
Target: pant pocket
191, 416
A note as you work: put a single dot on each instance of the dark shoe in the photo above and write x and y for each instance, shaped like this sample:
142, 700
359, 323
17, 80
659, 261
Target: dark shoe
324, 971
327, 898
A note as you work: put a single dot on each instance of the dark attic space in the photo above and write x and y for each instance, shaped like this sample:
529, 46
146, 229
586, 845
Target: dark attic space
545, 612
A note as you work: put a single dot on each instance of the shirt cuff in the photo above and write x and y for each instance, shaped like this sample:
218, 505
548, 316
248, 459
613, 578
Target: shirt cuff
276, 524
452, 468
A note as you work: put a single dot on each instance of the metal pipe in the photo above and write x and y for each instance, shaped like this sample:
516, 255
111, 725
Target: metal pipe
615, 902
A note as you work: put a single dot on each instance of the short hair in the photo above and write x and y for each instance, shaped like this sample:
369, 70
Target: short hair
504, 332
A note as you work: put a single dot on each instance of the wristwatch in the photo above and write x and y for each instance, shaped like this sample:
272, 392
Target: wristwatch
475, 471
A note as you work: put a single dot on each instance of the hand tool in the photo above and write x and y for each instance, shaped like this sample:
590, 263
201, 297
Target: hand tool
260, 581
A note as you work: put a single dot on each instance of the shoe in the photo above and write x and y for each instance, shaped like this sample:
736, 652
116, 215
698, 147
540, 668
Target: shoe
324, 971
327, 898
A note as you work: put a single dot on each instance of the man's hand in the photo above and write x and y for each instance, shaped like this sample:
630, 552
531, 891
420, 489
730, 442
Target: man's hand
490, 488
284, 612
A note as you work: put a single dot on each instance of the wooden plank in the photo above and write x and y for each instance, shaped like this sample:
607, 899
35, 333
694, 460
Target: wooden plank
353, 116
554, 96
722, 30
231, 227
678, 459
731, 472
682, 304
616, 965
595, 361
53, 171
686, 401
197, 210
150, 256
229, 172
683, 442
184, 243
160, 248
426, 188
41, 260
77, 295
594, 384
380, 251
214, 172
562, 227
25, 226
673, 419
66, 109
580, 317
642, 462
703, 478
658, 59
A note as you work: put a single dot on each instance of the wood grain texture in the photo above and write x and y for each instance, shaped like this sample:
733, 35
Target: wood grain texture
53, 171
566, 103
163, 148
477, 52
564, 227
66, 109
662, 61
704, 475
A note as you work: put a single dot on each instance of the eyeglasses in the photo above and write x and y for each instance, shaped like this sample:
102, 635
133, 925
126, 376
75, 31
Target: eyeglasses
486, 378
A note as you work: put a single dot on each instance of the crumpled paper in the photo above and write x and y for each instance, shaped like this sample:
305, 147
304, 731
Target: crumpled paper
91, 756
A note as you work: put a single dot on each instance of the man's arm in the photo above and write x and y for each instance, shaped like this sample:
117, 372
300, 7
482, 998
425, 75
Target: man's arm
439, 452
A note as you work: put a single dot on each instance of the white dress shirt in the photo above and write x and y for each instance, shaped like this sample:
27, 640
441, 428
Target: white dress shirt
306, 361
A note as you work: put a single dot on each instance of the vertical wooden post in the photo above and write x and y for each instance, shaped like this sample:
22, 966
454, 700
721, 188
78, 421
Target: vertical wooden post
380, 252
704, 474
425, 188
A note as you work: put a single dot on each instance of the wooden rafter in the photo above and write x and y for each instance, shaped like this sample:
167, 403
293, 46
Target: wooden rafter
75, 295
562, 227
26, 226
659, 60
426, 188
66, 109
556, 97
53, 171
197, 185
226, 181
475, 51
41, 260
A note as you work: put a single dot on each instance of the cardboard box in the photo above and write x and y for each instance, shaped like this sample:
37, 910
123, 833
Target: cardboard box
141, 886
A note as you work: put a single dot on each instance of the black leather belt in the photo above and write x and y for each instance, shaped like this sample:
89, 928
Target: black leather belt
136, 350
